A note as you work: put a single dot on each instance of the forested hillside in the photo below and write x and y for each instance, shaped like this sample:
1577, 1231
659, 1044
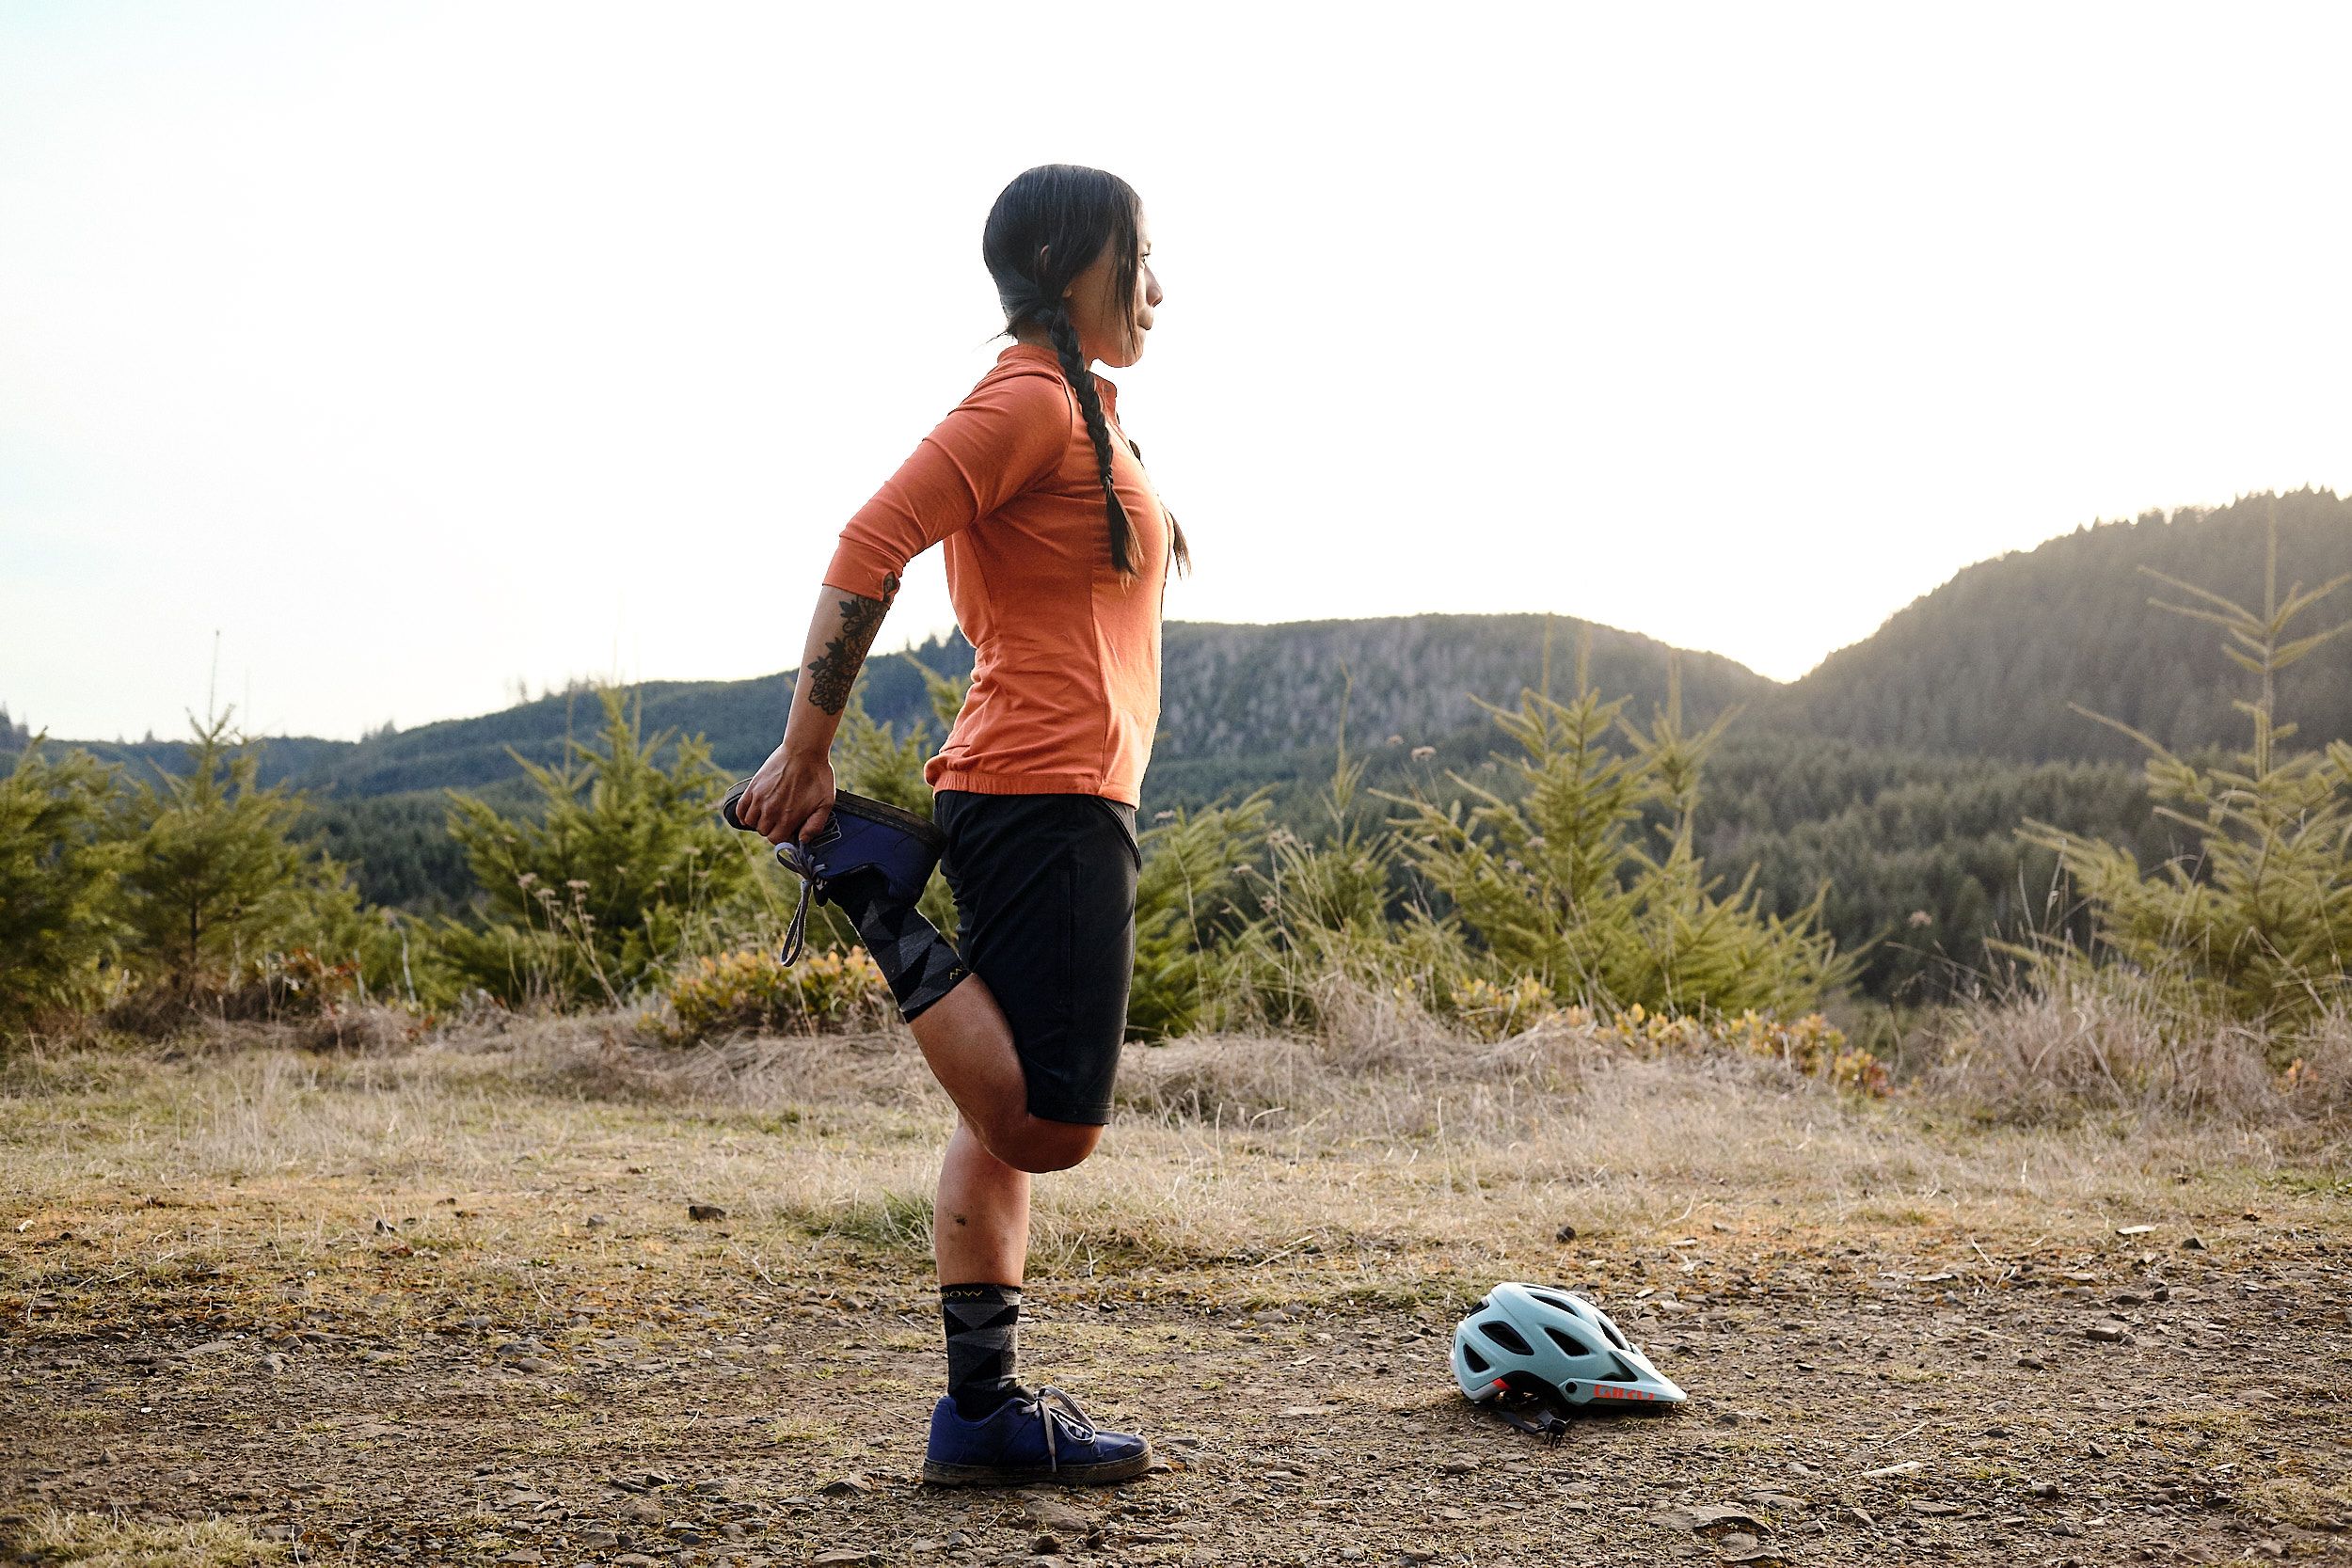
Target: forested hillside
1895, 773
1987, 664
1231, 692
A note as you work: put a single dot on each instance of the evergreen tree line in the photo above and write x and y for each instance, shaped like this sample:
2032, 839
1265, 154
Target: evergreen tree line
615, 885
1572, 860
1984, 667
1896, 836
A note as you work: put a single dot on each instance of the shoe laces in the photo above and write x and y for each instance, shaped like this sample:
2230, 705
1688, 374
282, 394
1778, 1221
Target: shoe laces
796, 860
1080, 1424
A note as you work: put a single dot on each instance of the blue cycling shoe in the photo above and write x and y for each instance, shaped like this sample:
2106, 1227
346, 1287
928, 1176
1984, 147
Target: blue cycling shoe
861, 836
1030, 1438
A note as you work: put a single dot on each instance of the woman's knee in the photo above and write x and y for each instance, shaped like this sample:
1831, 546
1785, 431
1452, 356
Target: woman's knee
1037, 1146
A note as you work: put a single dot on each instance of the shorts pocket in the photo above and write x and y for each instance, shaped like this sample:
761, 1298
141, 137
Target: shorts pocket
1126, 828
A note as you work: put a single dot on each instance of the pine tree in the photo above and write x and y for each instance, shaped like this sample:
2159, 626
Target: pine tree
2257, 923
1557, 884
58, 860
214, 885
626, 869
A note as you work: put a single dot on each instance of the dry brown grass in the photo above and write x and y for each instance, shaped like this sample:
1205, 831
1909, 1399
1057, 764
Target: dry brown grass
102, 1541
1379, 1168
2099, 1042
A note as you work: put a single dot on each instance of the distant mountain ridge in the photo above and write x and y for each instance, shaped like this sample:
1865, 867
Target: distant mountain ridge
1227, 692
1988, 664
1985, 665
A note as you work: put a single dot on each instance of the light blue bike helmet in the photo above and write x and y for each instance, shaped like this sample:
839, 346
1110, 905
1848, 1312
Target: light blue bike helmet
1555, 1346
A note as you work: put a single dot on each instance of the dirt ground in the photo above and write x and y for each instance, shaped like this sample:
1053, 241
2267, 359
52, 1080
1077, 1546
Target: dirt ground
255, 1309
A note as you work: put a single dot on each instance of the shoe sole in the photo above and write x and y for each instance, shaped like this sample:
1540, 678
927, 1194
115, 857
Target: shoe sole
1106, 1474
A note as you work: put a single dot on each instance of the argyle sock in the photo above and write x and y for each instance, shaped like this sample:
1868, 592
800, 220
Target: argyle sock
982, 1321
921, 965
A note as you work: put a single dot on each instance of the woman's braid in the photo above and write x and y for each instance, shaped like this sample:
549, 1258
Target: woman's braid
1065, 335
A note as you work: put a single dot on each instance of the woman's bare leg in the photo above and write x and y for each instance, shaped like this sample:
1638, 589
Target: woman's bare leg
980, 1223
969, 1046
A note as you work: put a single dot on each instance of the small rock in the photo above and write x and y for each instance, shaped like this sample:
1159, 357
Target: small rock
2133, 1229
1566, 1233
715, 1487
273, 1362
1048, 1513
600, 1539
2031, 1363
1934, 1510
705, 1211
843, 1557
1045, 1545
1738, 1541
523, 1554
2108, 1334
536, 1366
1705, 1517
634, 1559
2192, 1243
2048, 1491
597, 1222
1459, 1467
850, 1485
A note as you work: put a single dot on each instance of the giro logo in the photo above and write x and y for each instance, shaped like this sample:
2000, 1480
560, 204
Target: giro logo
1609, 1391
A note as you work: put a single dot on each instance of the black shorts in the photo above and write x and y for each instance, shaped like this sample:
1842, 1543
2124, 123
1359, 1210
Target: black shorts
1046, 914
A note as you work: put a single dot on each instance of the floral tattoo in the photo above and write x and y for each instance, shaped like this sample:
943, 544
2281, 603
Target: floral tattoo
832, 672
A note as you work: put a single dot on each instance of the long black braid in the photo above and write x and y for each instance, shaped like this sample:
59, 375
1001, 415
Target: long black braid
1055, 320
1070, 213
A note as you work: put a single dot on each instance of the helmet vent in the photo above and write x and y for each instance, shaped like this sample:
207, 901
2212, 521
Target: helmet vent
1569, 1342
1614, 1337
1508, 1337
1477, 1362
1623, 1374
1550, 1300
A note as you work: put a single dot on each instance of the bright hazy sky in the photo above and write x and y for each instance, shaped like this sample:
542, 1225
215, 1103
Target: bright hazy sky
418, 350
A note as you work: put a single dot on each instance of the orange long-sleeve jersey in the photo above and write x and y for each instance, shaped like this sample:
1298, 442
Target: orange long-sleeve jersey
1066, 681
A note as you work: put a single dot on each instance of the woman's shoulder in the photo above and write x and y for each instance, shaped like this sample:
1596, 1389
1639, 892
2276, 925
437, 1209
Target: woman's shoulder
1028, 386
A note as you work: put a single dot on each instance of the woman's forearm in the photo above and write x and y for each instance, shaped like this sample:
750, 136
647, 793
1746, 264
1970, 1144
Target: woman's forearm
839, 635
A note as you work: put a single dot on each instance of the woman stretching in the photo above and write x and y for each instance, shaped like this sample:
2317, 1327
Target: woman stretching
1057, 555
